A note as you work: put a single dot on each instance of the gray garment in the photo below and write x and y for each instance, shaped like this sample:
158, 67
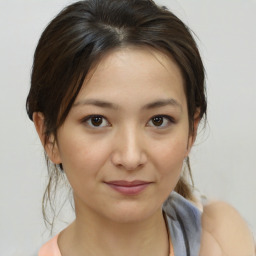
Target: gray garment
184, 221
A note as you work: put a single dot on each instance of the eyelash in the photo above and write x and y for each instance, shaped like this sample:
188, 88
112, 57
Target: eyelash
170, 120
88, 119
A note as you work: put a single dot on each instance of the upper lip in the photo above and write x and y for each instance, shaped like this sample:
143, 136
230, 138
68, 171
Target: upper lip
125, 183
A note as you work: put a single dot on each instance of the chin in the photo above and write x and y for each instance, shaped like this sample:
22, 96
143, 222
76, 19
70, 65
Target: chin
130, 214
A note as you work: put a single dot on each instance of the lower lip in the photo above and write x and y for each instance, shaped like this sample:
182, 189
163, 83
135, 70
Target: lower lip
133, 190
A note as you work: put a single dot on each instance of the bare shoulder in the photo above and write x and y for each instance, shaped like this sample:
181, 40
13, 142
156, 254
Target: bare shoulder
225, 232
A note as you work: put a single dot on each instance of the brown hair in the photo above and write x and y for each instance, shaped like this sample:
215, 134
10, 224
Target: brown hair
78, 37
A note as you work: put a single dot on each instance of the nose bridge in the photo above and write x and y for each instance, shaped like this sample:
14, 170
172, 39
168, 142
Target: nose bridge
131, 141
129, 151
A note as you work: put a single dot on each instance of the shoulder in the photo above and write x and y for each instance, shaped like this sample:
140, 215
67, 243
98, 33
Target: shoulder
50, 248
224, 231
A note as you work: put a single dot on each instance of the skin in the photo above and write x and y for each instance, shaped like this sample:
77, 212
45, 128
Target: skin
125, 145
224, 232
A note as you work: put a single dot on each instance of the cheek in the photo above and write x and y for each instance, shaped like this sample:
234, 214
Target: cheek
82, 160
169, 161
171, 152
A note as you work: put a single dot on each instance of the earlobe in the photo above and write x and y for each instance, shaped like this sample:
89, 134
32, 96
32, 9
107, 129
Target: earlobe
38, 119
192, 136
48, 142
195, 127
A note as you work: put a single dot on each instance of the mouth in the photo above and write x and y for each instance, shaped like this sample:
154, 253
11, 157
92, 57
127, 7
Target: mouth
128, 187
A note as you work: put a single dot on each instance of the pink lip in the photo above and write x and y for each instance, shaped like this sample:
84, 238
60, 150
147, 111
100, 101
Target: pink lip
128, 187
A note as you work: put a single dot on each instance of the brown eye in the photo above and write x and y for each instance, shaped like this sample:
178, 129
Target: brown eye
157, 121
161, 121
96, 121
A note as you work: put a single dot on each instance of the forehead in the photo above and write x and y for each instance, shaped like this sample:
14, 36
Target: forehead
134, 72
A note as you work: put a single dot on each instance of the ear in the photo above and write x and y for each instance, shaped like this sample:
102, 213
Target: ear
49, 143
193, 134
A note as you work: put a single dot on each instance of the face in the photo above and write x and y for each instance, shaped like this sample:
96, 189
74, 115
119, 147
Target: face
123, 142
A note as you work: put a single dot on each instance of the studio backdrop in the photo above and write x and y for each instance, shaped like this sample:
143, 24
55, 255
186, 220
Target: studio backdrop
223, 159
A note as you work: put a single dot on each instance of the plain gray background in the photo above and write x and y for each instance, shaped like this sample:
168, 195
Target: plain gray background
224, 158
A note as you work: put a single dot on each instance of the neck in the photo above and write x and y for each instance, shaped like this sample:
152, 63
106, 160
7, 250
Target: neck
93, 235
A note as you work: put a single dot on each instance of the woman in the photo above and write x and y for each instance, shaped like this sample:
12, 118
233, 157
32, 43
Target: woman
117, 93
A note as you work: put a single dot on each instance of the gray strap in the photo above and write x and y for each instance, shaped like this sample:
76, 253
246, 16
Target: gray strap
184, 222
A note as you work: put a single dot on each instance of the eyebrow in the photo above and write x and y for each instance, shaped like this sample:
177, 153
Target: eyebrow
163, 103
98, 103
152, 105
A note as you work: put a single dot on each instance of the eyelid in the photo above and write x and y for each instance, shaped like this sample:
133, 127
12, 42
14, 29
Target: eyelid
87, 118
170, 119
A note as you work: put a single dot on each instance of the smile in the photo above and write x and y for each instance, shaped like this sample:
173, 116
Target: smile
127, 187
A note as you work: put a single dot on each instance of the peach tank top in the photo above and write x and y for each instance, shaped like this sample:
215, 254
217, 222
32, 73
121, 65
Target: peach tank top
51, 248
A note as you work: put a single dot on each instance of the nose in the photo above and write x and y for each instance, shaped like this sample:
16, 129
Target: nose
129, 150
